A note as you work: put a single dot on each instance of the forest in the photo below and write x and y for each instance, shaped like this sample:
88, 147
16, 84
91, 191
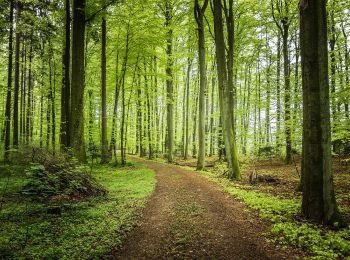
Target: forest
174, 129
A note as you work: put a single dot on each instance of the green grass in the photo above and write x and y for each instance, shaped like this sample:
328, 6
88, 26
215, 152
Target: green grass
86, 229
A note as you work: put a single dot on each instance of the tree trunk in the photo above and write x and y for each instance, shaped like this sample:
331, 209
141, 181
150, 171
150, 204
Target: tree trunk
104, 142
287, 112
278, 90
318, 192
16, 92
9, 90
187, 138
122, 127
65, 91
199, 15
78, 81
29, 93
169, 81
224, 95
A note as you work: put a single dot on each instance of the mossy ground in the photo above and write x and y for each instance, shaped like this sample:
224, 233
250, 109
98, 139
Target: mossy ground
87, 228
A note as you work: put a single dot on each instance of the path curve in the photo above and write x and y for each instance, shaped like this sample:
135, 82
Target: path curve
189, 217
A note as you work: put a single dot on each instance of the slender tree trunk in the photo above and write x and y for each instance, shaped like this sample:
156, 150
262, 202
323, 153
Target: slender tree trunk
104, 142
122, 127
115, 109
199, 15
65, 90
139, 119
278, 90
211, 152
287, 94
194, 131
29, 93
169, 81
21, 116
187, 137
268, 92
333, 64
17, 74
91, 123
318, 192
42, 94
148, 102
9, 89
224, 95
296, 114
53, 105
347, 76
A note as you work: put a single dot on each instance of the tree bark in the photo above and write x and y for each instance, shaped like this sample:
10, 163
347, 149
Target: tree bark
9, 89
104, 142
169, 81
199, 15
78, 81
224, 95
65, 90
318, 192
16, 90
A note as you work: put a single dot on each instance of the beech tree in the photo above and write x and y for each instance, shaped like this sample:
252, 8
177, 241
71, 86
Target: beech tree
199, 15
318, 192
78, 81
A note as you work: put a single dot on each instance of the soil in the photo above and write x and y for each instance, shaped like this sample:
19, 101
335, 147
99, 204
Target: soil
189, 217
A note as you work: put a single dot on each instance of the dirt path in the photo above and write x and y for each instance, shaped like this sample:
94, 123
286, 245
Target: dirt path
189, 217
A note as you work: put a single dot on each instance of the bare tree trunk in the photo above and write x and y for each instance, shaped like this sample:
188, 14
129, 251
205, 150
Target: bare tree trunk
29, 93
199, 15
224, 95
9, 89
16, 92
65, 90
104, 142
78, 81
318, 192
122, 127
187, 138
169, 81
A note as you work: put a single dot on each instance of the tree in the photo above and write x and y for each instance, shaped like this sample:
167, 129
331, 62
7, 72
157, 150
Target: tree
168, 14
318, 193
283, 23
224, 94
65, 90
7, 127
104, 142
78, 81
199, 15
16, 90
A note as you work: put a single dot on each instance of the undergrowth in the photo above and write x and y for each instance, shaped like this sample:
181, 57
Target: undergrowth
88, 228
320, 242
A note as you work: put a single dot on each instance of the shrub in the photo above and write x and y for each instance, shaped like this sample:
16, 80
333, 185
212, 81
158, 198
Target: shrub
59, 176
74, 182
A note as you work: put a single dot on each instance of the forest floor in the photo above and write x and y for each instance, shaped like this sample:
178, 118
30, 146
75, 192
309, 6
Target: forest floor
272, 176
196, 215
189, 217
85, 228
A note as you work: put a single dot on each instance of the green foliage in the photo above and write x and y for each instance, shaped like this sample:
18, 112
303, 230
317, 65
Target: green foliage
269, 207
73, 181
324, 245
86, 229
